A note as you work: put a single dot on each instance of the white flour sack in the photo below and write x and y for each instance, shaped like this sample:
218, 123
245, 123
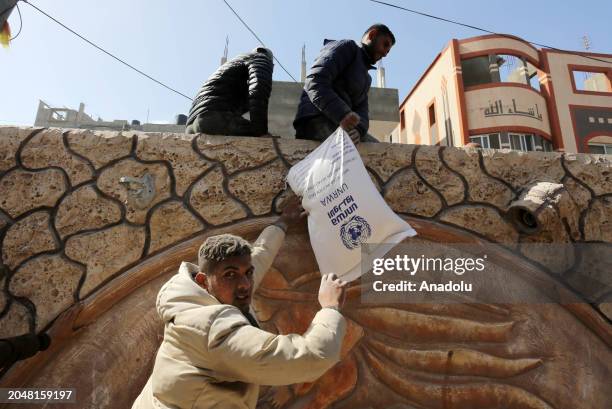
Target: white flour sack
344, 208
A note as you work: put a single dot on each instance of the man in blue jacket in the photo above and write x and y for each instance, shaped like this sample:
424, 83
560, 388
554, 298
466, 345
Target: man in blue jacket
336, 89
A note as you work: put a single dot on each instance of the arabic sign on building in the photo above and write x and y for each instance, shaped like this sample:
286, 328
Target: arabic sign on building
507, 108
498, 108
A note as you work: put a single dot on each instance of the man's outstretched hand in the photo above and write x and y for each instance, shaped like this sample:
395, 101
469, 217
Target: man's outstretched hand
292, 211
331, 291
350, 121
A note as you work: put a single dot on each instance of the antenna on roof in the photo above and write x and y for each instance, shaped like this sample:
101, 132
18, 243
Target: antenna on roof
224, 58
586, 43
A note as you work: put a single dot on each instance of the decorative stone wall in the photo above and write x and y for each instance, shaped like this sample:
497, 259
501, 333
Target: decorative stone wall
76, 236
67, 226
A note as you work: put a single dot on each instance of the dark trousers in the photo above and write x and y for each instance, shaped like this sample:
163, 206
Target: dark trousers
221, 123
318, 128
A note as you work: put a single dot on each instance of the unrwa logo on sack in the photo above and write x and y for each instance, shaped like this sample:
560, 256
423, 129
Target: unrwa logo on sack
354, 232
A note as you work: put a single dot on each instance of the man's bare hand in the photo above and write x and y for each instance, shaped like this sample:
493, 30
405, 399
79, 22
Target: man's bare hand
355, 136
292, 211
331, 291
350, 121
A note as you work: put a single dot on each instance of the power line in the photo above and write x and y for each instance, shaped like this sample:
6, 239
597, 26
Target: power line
420, 13
108, 53
258, 39
20, 23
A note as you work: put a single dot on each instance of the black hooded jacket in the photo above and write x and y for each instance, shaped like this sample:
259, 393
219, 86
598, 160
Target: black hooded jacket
241, 85
337, 84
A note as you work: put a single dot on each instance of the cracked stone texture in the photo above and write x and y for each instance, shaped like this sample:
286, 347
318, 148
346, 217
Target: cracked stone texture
436, 174
594, 170
257, 188
108, 182
482, 188
15, 322
294, 150
539, 247
598, 220
212, 203
100, 147
170, 223
85, 209
122, 245
3, 221
47, 149
579, 194
385, 159
567, 210
26, 238
237, 153
520, 169
375, 181
21, 190
50, 283
482, 220
406, 193
3, 297
10, 139
176, 149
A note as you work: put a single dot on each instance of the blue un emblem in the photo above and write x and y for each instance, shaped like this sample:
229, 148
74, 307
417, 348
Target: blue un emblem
354, 232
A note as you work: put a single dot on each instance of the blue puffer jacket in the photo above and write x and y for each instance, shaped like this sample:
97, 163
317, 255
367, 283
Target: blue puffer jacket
337, 84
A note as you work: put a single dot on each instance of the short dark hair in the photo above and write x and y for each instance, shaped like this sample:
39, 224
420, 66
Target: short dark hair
382, 29
218, 248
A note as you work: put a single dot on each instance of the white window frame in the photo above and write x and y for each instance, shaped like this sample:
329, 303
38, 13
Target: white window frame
607, 147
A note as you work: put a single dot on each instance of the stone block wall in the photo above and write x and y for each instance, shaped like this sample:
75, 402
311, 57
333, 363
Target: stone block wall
68, 226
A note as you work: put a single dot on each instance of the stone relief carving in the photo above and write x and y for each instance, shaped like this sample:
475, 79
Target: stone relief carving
393, 356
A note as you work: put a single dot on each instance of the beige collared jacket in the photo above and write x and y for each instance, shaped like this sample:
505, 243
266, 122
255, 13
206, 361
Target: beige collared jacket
211, 357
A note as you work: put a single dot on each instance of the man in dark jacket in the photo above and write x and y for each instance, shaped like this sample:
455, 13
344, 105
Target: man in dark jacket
336, 90
241, 85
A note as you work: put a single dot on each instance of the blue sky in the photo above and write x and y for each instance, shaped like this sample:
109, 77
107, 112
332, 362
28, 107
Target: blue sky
180, 42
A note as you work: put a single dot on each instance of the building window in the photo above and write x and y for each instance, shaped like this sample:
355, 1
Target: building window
591, 81
514, 141
433, 129
600, 148
497, 68
432, 114
402, 120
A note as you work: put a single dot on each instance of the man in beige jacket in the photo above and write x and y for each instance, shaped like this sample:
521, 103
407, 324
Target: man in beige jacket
213, 354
